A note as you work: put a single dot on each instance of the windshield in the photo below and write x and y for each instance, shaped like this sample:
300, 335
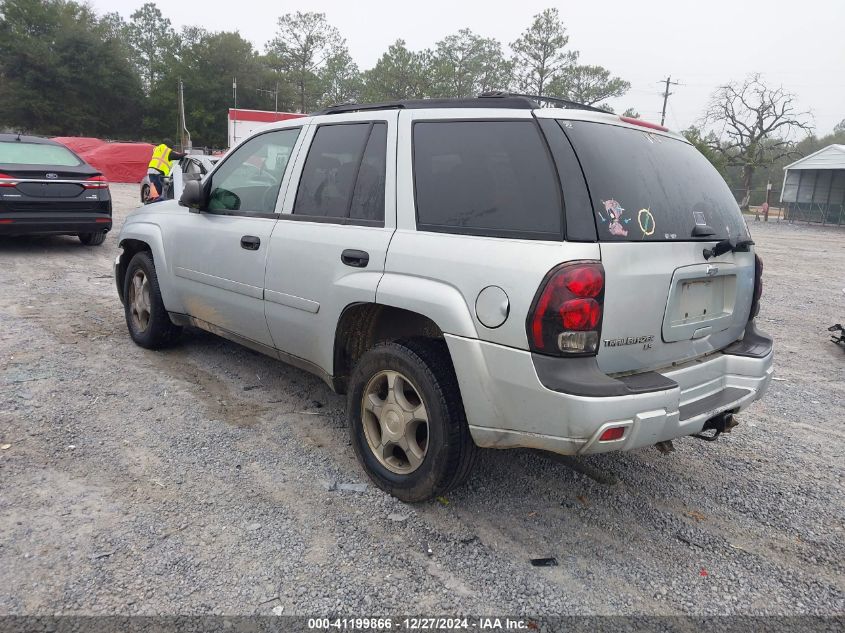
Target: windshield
19, 153
651, 187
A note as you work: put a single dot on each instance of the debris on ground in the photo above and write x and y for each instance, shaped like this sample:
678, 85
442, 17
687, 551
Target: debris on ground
698, 516
544, 562
398, 518
278, 610
353, 487
443, 501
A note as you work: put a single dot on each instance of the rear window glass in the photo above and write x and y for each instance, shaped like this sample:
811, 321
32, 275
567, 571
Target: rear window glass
485, 178
651, 187
15, 153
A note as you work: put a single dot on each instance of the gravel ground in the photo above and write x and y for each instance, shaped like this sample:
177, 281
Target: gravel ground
199, 480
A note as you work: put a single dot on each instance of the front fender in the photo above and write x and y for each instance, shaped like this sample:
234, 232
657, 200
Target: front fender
150, 233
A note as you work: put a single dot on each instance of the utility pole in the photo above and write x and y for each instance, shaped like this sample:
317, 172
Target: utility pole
275, 94
235, 120
666, 94
184, 134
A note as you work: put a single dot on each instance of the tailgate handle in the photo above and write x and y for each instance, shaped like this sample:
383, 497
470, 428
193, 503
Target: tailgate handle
702, 332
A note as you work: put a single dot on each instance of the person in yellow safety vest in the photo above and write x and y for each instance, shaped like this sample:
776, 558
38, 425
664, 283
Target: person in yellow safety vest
159, 168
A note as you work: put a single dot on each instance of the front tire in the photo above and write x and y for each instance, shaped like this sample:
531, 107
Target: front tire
145, 194
407, 421
146, 317
92, 239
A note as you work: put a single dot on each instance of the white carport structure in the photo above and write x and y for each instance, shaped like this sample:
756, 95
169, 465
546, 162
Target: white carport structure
814, 187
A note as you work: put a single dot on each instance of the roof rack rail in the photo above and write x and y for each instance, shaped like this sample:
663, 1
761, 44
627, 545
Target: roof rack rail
557, 101
493, 99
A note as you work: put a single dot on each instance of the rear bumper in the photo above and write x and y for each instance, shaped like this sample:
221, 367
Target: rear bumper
54, 223
508, 406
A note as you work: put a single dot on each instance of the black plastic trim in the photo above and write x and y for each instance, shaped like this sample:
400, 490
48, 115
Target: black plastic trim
579, 221
582, 377
755, 344
507, 102
330, 219
720, 399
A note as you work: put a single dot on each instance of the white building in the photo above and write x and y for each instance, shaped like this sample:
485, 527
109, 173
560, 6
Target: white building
814, 187
243, 123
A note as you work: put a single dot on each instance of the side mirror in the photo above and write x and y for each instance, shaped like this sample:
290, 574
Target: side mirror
193, 196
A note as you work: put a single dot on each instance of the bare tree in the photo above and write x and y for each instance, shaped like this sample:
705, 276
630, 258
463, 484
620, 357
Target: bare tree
759, 125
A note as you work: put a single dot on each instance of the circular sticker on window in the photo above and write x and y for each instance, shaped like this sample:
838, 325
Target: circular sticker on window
646, 222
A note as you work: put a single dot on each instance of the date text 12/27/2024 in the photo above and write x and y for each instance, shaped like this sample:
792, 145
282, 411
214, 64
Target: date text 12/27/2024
420, 624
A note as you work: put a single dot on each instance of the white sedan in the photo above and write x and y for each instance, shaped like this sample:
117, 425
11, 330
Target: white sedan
192, 167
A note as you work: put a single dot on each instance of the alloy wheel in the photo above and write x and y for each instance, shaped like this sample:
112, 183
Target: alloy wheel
395, 422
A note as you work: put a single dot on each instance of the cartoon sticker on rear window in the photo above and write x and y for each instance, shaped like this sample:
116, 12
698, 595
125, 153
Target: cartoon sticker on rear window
614, 212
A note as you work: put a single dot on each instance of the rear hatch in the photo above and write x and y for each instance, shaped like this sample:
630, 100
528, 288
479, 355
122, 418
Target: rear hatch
658, 204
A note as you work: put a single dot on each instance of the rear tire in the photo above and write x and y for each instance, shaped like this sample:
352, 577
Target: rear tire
407, 421
92, 239
146, 317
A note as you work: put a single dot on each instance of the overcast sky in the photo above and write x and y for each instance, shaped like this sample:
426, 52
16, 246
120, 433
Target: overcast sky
797, 44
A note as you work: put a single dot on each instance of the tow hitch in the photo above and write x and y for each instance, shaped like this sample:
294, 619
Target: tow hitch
722, 423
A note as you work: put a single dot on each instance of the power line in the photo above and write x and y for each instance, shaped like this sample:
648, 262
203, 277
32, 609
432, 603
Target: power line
666, 94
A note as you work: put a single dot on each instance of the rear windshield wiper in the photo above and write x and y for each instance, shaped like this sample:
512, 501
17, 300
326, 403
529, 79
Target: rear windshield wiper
728, 246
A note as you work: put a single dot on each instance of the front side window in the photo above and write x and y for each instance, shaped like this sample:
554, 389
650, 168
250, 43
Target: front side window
485, 178
344, 174
250, 179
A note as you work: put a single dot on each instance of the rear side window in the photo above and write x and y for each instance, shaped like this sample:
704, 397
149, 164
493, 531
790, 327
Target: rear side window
343, 176
19, 153
649, 187
485, 178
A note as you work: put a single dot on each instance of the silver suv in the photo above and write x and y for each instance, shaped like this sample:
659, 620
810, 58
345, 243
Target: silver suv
472, 273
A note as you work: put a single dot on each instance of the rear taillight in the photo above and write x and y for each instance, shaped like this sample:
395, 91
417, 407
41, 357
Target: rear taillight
97, 182
7, 181
758, 286
565, 318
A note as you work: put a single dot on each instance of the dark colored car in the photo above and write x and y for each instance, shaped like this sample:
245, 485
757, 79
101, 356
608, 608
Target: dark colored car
46, 189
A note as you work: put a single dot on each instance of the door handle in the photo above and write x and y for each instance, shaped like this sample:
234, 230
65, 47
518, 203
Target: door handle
250, 242
356, 259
